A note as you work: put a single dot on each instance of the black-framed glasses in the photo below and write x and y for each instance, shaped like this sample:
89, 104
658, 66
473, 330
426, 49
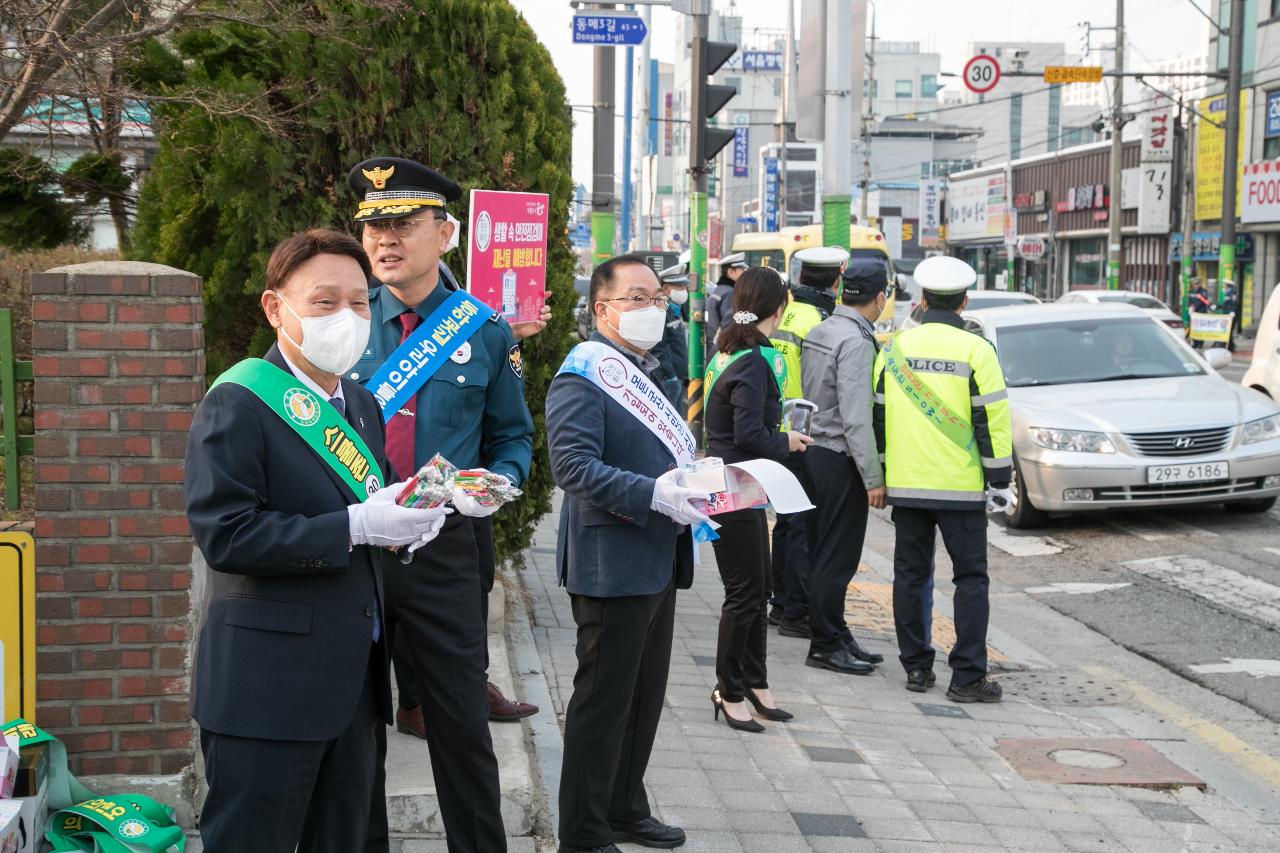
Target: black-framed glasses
400, 227
642, 301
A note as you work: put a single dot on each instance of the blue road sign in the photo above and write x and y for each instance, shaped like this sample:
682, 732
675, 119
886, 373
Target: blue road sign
609, 29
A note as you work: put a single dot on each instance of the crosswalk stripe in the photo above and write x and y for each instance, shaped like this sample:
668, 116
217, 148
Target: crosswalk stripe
1218, 584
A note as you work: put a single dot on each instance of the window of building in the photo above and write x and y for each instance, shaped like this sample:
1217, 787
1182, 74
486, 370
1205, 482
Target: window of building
1271, 147
903, 89
1275, 8
1073, 136
929, 82
1088, 261
1250, 34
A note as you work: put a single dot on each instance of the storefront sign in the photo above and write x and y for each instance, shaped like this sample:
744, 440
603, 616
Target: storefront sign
1157, 136
1210, 147
1260, 193
1154, 193
667, 131
1031, 248
976, 208
1204, 246
741, 152
1273, 114
1029, 201
930, 212
1086, 197
771, 194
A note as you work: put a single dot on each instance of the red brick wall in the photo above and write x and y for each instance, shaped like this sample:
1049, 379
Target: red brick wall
119, 366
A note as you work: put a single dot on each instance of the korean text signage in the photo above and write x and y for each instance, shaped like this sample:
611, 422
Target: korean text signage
1157, 136
741, 151
1155, 172
771, 194
1029, 201
17, 626
930, 213
1031, 248
1073, 74
609, 28
1273, 114
1204, 246
507, 256
1210, 147
1085, 197
761, 60
1260, 192
976, 209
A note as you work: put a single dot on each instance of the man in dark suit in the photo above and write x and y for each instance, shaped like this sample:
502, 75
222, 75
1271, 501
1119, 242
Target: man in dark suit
623, 551
291, 675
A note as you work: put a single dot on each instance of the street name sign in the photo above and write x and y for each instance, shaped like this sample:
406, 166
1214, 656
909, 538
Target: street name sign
609, 29
1073, 74
981, 74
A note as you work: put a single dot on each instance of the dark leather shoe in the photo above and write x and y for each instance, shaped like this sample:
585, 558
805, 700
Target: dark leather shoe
409, 721
503, 710
839, 661
920, 680
862, 654
775, 618
649, 832
795, 628
569, 848
981, 690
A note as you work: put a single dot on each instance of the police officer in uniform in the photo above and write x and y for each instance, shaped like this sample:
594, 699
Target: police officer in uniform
471, 411
813, 298
720, 297
672, 353
843, 464
942, 421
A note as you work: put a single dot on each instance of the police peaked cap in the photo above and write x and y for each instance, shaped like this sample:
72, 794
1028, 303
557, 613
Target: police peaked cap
737, 259
943, 274
391, 187
678, 275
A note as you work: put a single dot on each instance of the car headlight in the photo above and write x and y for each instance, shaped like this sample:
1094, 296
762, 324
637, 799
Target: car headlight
1067, 439
1264, 429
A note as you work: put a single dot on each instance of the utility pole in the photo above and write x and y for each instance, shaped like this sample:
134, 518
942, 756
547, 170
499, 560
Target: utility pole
868, 120
837, 125
602, 214
643, 234
784, 112
628, 131
1231, 149
1188, 202
1115, 244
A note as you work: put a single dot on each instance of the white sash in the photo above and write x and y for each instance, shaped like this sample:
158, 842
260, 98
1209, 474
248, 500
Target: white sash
625, 384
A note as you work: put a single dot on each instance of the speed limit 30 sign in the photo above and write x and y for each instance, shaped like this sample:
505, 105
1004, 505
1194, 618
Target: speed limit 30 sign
981, 74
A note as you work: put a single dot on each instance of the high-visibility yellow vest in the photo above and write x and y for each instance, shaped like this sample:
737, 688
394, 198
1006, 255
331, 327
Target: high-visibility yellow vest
947, 429
797, 322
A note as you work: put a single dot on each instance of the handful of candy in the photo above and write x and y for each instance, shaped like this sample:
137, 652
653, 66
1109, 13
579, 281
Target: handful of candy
435, 482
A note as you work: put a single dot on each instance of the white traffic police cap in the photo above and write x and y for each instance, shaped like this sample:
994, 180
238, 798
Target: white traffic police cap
737, 259
942, 274
817, 256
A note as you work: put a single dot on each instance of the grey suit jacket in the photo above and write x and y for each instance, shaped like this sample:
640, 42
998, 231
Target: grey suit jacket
606, 461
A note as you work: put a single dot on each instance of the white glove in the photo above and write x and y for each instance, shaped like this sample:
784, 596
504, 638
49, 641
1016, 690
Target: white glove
471, 507
381, 521
998, 500
672, 499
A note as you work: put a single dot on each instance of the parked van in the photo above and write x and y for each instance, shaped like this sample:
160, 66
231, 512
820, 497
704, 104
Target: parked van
1264, 371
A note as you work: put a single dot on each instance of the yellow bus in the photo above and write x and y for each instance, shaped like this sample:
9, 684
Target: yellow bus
775, 248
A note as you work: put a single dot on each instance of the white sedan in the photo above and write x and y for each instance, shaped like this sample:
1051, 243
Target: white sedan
979, 300
1145, 301
1110, 411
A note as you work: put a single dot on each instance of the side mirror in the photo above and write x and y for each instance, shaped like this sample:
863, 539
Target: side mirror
1217, 358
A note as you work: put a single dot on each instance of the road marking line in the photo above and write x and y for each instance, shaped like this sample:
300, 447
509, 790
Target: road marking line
1245, 755
1021, 546
1249, 666
1146, 531
1275, 551
1076, 588
1223, 586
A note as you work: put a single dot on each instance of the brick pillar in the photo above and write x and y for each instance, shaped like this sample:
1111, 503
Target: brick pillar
119, 366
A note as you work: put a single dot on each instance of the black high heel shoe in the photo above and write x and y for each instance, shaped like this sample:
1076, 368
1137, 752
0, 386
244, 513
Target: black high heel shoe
776, 714
741, 725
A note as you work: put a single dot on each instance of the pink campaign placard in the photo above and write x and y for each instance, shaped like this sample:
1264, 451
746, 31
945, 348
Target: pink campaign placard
507, 256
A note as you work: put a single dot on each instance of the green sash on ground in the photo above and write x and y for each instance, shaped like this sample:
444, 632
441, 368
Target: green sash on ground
720, 363
314, 419
950, 423
64, 789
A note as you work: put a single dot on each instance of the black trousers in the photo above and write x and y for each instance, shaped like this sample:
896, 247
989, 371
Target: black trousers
837, 530
278, 796
433, 613
791, 567
742, 555
409, 695
964, 533
624, 652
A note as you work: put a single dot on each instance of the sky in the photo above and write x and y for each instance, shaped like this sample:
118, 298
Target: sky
1156, 31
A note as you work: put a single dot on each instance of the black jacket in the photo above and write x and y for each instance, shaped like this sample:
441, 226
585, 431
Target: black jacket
285, 637
743, 412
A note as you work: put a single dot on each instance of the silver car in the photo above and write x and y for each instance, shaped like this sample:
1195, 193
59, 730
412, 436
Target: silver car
1110, 411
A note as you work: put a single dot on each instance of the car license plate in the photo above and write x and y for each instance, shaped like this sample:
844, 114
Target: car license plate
1194, 472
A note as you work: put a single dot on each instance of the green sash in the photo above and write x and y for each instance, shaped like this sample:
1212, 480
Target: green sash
124, 823
721, 362
314, 419
951, 424
64, 789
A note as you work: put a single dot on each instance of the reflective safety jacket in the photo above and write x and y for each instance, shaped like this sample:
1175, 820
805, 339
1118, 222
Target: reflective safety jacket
941, 416
807, 308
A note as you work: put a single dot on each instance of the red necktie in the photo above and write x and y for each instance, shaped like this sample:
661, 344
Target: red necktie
401, 425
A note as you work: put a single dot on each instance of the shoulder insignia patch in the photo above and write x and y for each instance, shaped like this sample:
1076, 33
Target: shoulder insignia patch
516, 360
495, 316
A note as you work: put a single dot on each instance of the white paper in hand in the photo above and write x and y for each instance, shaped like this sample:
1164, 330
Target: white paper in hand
784, 490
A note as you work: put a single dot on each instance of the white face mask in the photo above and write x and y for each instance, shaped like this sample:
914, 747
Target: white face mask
643, 327
332, 343
678, 297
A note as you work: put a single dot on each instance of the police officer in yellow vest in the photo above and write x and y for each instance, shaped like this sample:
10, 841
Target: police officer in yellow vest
815, 273
941, 416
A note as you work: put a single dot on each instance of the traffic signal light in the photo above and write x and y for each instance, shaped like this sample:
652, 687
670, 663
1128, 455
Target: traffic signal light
709, 98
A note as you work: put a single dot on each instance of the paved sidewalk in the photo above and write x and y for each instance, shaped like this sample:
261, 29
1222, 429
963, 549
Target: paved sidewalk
868, 766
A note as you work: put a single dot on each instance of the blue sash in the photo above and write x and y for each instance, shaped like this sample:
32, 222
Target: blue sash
427, 349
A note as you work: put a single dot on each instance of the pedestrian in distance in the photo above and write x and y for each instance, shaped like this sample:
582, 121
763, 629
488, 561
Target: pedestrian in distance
617, 449
672, 352
844, 463
464, 401
1230, 304
743, 391
720, 297
291, 682
815, 273
942, 421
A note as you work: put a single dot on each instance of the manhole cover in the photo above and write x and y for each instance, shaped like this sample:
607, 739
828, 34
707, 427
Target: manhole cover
1064, 688
1087, 758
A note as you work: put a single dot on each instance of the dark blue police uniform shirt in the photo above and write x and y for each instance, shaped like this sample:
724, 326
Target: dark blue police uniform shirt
472, 411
